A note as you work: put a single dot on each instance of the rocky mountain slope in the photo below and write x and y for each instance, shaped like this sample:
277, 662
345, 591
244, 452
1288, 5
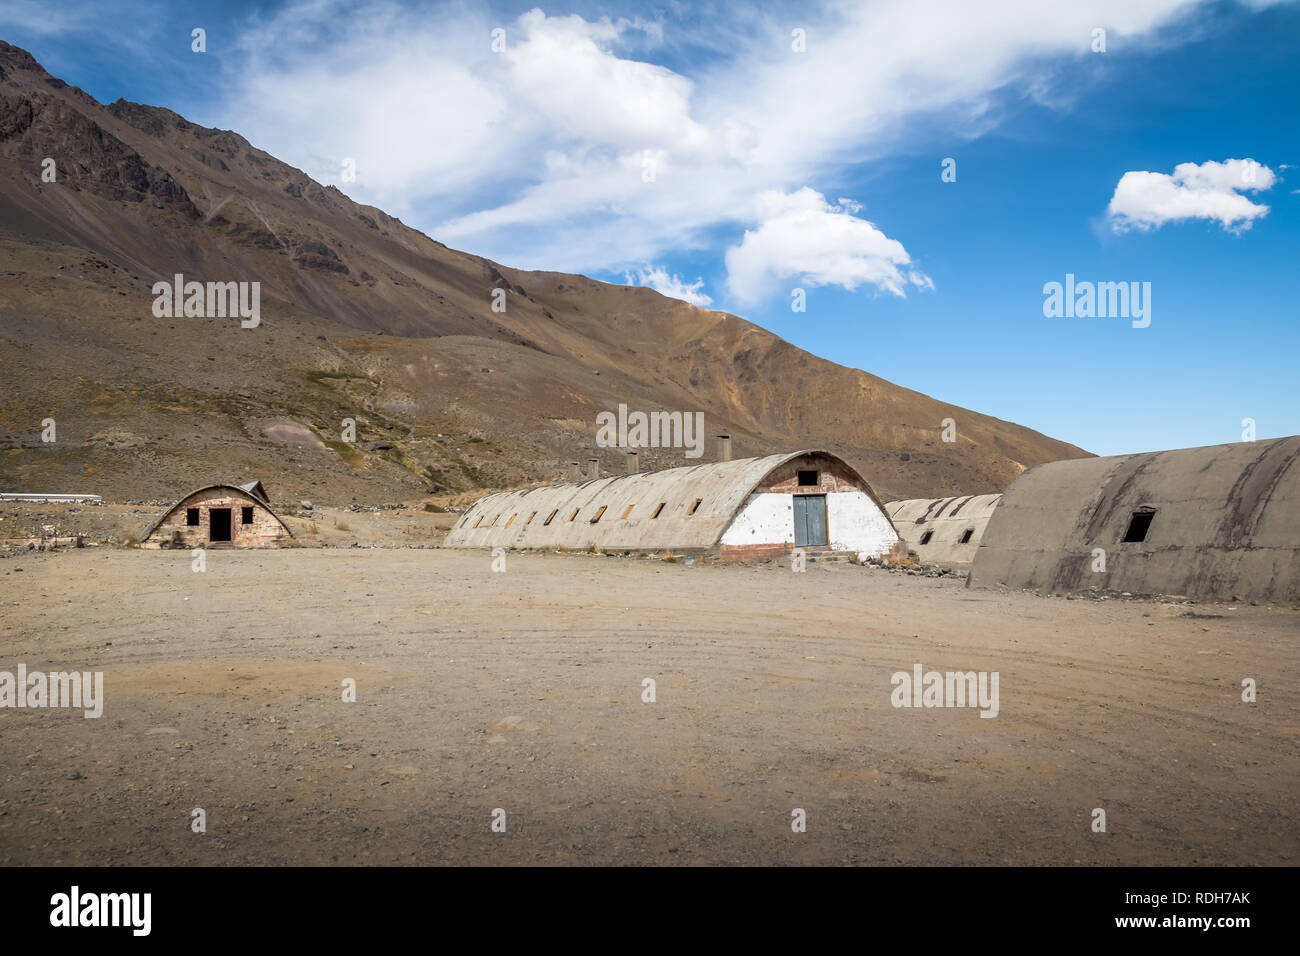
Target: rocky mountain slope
365, 318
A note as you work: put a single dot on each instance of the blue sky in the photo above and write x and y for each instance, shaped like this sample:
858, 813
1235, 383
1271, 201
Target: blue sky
727, 157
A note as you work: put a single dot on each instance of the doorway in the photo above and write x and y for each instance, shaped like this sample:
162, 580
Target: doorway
218, 524
810, 521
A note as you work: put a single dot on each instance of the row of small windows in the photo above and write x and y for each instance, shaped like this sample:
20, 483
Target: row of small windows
808, 478
1138, 526
572, 517
192, 516
965, 536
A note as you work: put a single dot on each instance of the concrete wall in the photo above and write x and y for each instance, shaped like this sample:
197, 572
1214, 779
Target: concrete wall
946, 520
517, 519
266, 531
1226, 523
764, 526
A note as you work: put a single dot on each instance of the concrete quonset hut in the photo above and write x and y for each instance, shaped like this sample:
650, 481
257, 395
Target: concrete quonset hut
943, 530
222, 516
1221, 521
742, 510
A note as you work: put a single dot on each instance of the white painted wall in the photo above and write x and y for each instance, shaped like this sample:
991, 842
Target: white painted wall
763, 519
855, 523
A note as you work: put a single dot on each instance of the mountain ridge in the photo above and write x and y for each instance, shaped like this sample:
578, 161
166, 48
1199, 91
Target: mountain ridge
366, 318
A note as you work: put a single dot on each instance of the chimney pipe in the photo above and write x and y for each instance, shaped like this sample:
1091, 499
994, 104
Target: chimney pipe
633, 463
575, 471
593, 468
724, 448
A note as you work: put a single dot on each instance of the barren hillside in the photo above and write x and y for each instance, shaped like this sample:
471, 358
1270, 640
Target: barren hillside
365, 318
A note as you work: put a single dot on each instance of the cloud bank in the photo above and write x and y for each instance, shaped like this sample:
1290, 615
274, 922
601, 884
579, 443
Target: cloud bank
559, 142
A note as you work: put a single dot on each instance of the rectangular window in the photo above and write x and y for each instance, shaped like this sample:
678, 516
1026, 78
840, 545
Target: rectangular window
1138, 526
512, 519
246, 515
494, 522
690, 511
809, 478
967, 535
598, 514
925, 538
192, 517
550, 517
530, 519
659, 509
626, 511
478, 520
575, 513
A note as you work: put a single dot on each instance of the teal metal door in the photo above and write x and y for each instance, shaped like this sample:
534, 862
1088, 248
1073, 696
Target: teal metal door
810, 521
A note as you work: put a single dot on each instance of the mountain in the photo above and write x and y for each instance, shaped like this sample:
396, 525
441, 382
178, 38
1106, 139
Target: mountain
365, 318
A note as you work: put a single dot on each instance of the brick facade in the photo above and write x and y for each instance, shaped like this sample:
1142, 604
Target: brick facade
832, 479
173, 531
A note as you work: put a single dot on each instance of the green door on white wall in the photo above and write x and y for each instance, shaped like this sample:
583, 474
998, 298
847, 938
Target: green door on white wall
810, 521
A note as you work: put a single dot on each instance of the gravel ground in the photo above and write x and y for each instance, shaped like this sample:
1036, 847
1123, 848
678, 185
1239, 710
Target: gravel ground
523, 691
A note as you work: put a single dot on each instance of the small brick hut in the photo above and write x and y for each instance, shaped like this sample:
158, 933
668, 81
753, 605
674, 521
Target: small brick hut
219, 516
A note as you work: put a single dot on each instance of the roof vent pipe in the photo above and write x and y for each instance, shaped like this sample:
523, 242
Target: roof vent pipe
633, 463
575, 471
724, 448
593, 468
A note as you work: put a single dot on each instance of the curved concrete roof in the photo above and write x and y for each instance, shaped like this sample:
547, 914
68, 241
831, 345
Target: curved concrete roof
721, 488
237, 492
1226, 522
946, 520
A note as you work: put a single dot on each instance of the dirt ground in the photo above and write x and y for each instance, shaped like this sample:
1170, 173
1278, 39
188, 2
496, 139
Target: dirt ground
403, 524
523, 691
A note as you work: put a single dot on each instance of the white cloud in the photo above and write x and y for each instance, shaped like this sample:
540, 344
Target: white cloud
659, 279
1146, 200
802, 236
572, 151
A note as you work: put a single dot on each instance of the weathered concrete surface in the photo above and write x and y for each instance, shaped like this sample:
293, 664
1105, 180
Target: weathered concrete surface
1226, 523
569, 515
946, 521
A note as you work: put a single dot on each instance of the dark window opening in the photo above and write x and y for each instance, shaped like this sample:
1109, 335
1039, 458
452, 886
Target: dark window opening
659, 509
1138, 526
246, 515
690, 511
809, 478
925, 538
192, 517
218, 524
966, 536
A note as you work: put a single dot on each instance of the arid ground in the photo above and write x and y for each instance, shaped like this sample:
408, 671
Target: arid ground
523, 691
